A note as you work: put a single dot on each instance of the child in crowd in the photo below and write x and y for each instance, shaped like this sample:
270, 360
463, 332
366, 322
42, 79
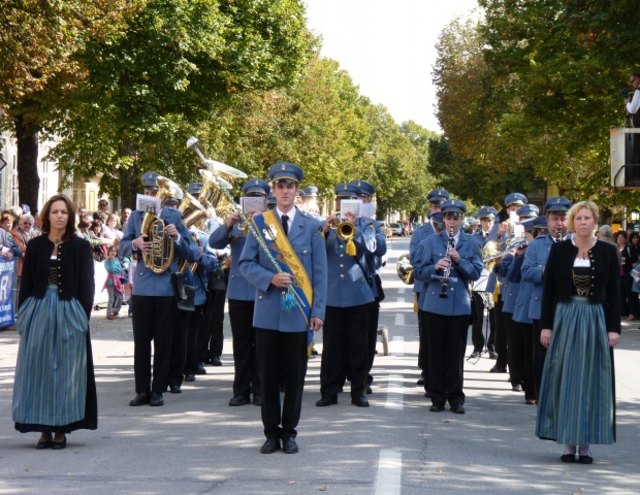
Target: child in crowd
113, 283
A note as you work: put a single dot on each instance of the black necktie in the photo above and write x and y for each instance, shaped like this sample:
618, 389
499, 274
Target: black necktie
285, 224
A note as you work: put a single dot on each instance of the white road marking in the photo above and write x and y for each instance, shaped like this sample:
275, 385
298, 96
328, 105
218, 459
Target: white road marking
389, 473
399, 319
395, 393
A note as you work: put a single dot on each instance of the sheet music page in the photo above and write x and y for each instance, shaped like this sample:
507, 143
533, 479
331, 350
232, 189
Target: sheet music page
148, 203
251, 205
350, 206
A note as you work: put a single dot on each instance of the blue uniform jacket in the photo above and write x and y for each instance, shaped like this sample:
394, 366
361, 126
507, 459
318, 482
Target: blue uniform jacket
509, 287
308, 243
521, 303
350, 281
429, 252
238, 288
145, 282
535, 260
419, 235
206, 264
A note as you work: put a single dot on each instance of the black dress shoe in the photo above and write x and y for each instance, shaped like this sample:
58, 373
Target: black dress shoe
257, 401
44, 443
327, 400
59, 445
156, 399
498, 369
568, 458
200, 369
585, 459
189, 377
289, 445
270, 446
175, 389
239, 400
140, 399
360, 401
436, 408
215, 361
475, 355
493, 355
457, 409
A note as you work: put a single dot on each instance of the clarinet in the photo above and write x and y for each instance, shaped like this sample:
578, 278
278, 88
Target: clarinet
444, 281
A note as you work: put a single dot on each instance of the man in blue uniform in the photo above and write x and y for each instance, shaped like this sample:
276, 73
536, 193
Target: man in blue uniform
349, 299
535, 260
241, 296
288, 267
155, 311
434, 199
365, 192
445, 264
482, 290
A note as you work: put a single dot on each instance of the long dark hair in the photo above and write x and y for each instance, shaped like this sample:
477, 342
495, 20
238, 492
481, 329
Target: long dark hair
70, 230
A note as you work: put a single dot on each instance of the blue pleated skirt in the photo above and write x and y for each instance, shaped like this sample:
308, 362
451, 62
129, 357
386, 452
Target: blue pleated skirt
576, 400
50, 386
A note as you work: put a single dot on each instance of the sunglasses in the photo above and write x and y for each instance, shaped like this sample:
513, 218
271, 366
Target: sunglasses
452, 215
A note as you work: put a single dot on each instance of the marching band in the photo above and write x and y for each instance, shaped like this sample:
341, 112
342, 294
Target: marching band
292, 272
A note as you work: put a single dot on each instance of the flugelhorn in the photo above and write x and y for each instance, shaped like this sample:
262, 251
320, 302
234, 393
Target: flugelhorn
160, 257
218, 168
404, 269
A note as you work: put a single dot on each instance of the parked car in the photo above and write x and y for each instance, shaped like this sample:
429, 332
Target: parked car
397, 229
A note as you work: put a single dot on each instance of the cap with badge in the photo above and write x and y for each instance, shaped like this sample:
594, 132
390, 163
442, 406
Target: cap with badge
529, 224
487, 212
346, 190
149, 180
256, 186
310, 192
437, 196
540, 223
195, 188
528, 211
437, 220
364, 188
285, 172
515, 199
453, 207
557, 204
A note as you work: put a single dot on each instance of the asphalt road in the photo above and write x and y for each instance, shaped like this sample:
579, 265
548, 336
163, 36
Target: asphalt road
197, 444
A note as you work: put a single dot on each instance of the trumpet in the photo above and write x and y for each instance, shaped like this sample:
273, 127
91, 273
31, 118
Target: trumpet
346, 231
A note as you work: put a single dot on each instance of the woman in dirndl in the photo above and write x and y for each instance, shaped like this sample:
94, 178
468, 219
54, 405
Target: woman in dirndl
581, 325
54, 390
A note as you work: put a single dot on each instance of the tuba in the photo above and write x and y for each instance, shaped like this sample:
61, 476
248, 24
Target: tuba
404, 269
159, 259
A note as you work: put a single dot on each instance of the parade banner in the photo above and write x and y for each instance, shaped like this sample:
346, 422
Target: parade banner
7, 281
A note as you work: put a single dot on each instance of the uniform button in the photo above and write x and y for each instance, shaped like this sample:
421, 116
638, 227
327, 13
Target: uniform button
341, 265
259, 297
304, 251
342, 275
341, 255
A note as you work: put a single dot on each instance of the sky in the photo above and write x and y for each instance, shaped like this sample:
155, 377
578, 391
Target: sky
388, 48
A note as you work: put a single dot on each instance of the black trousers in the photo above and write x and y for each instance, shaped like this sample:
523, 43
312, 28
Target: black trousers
372, 337
245, 379
345, 347
539, 355
500, 331
446, 341
521, 357
211, 337
179, 348
276, 351
154, 319
477, 323
194, 323
423, 355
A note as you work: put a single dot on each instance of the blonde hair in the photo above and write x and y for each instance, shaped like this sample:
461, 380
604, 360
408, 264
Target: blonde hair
582, 205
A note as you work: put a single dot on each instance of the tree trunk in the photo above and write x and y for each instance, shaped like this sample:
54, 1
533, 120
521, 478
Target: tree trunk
28, 178
129, 181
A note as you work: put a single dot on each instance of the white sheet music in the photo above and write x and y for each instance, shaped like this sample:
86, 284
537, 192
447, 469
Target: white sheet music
148, 203
350, 206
